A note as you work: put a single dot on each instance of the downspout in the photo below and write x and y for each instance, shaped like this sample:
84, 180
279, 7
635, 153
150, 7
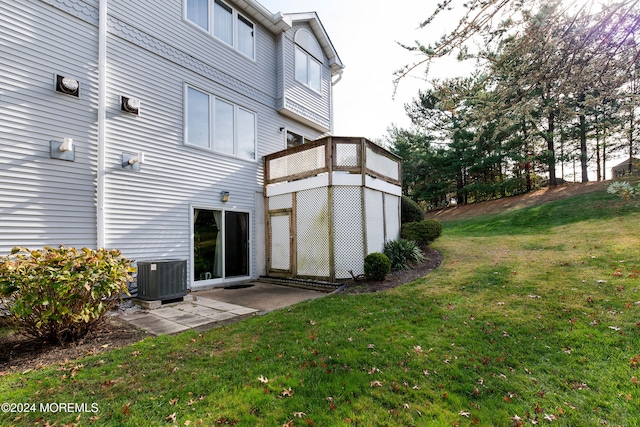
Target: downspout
335, 82
102, 108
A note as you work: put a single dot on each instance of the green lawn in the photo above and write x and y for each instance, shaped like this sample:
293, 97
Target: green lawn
533, 316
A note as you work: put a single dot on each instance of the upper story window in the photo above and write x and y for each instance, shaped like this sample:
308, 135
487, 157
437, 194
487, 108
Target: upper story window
224, 22
308, 70
219, 125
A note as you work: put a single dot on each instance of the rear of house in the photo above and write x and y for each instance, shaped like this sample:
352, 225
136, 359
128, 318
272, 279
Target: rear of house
142, 125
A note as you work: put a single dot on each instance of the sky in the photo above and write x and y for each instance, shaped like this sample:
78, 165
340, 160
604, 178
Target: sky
365, 35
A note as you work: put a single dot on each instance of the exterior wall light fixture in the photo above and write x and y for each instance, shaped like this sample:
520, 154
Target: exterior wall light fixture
130, 105
67, 85
225, 196
132, 161
64, 150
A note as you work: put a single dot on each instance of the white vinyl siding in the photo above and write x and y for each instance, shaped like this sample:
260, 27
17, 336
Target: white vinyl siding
229, 26
299, 99
45, 201
234, 128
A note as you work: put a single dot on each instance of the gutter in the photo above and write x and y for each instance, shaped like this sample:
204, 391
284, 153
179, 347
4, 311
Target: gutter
102, 109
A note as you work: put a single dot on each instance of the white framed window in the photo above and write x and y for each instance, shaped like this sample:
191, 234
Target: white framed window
218, 125
224, 23
308, 70
293, 139
198, 12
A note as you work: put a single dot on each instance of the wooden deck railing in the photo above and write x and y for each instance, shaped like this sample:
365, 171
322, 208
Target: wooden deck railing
332, 154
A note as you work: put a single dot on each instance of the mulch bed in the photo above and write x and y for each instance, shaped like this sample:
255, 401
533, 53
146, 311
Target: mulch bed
432, 259
20, 353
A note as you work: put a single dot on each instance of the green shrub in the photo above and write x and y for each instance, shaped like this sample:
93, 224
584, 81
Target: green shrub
376, 266
423, 232
403, 253
60, 294
410, 211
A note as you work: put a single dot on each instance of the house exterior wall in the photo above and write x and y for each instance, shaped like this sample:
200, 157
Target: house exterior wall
44, 201
298, 99
153, 53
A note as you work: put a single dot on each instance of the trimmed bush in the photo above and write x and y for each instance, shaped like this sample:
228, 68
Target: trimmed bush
403, 254
376, 266
410, 211
59, 295
423, 232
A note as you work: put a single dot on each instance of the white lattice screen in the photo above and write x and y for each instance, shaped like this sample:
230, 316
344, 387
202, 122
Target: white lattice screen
347, 154
312, 232
280, 242
348, 243
282, 201
382, 164
296, 163
374, 215
392, 216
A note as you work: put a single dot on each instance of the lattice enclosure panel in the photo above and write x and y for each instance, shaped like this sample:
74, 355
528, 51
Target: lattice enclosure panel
392, 216
280, 242
282, 201
382, 164
347, 154
374, 214
297, 163
312, 233
348, 232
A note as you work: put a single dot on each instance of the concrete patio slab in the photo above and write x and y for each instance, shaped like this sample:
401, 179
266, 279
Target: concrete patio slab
264, 297
207, 309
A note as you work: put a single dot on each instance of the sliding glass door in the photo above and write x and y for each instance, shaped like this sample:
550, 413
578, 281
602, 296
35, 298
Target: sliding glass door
220, 245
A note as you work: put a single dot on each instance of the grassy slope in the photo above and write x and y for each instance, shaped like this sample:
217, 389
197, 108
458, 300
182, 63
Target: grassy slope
532, 314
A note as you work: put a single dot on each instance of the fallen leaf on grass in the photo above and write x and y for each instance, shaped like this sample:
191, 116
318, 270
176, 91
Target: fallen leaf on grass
464, 414
550, 417
299, 414
263, 379
287, 392
171, 418
173, 401
615, 328
376, 383
370, 346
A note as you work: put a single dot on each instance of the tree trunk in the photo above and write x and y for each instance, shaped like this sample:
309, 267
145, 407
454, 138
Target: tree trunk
550, 148
598, 170
604, 153
583, 139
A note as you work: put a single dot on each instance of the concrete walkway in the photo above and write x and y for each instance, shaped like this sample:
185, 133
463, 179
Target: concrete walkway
204, 310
